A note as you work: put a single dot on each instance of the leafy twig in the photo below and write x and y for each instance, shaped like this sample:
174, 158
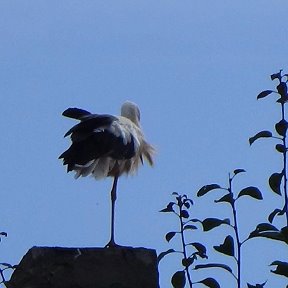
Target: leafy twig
180, 207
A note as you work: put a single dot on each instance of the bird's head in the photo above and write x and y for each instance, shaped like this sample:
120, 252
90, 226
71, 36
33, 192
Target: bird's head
131, 111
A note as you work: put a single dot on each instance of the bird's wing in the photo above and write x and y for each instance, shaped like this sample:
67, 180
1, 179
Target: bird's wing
98, 136
89, 124
76, 113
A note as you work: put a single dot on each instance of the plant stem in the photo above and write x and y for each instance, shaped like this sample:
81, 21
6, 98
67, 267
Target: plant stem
285, 167
238, 243
184, 245
2, 276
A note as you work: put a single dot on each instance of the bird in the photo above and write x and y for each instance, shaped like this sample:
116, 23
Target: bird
104, 145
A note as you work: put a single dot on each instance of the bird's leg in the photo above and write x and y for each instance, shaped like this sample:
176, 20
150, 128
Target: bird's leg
112, 243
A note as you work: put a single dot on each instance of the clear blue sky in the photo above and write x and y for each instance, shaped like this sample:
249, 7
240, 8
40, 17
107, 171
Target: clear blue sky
194, 68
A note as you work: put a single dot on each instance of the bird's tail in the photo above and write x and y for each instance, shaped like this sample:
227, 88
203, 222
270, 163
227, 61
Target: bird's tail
148, 152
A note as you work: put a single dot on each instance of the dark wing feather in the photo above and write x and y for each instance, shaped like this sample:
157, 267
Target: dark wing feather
75, 113
88, 143
89, 124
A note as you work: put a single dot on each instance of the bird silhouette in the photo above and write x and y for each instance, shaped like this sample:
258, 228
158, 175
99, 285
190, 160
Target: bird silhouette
104, 145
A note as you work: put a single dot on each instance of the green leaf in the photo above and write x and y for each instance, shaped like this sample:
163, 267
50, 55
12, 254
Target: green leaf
275, 182
282, 90
281, 268
227, 247
251, 191
269, 231
195, 220
257, 285
169, 236
262, 134
237, 171
211, 223
264, 94
282, 100
210, 282
207, 188
262, 227
187, 203
284, 232
179, 200
169, 207
184, 214
163, 254
178, 280
189, 227
186, 262
280, 148
273, 235
201, 249
213, 265
266, 227
281, 127
274, 213
276, 76
226, 198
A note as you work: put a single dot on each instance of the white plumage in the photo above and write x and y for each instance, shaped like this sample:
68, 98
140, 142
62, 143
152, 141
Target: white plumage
106, 146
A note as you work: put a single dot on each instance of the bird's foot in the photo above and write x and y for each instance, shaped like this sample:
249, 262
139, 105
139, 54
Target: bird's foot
112, 244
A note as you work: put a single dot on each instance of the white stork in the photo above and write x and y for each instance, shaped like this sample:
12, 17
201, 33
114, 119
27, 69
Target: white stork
106, 146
